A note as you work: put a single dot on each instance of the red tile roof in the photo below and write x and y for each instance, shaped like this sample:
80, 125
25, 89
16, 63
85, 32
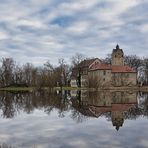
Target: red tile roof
122, 69
122, 107
113, 68
96, 110
101, 66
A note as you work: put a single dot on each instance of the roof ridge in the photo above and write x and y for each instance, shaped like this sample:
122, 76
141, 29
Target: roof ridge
113, 68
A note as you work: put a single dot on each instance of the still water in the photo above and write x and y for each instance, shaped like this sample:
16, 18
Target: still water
76, 119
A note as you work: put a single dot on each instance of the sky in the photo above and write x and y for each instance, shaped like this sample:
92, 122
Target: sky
39, 30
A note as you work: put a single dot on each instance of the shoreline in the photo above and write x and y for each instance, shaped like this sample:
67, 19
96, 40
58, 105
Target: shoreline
30, 89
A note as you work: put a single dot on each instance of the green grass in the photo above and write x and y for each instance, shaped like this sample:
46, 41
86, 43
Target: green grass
67, 88
21, 89
30, 89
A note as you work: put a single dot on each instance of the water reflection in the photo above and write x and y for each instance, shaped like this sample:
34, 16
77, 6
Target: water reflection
12, 104
114, 106
4, 145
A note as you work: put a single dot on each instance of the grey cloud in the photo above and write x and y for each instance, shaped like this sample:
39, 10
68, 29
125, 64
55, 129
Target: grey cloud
31, 30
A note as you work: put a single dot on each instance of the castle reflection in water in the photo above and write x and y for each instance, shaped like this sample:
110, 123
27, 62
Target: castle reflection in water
116, 107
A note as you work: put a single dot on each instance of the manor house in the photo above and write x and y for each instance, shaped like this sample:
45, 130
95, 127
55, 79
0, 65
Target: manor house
114, 74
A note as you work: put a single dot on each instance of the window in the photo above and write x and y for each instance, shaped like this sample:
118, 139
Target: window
104, 72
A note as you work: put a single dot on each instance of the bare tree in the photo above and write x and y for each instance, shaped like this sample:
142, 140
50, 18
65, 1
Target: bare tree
6, 72
93, 82
28, 72
108, 59
145, 61
133, 61
18, 75
76, 59
49, 66
65, 72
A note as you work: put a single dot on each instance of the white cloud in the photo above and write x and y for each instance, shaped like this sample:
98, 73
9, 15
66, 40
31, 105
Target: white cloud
31, 23
78, 28
3, 35
144, 28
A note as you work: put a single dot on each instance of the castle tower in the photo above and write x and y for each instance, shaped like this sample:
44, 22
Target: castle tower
117, 56
117, 119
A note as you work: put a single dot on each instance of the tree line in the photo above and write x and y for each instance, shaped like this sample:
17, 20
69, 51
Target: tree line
28, 75
12, 74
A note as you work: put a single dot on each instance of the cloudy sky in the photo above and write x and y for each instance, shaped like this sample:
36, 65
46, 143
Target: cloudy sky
40, 30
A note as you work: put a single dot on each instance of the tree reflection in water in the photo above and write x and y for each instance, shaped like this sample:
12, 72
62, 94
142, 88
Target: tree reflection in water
82, 105
3, 145
12, 104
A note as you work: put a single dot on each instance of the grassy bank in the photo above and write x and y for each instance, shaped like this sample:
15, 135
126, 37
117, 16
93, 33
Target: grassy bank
30, 89
17, 89
68, 88
128, 88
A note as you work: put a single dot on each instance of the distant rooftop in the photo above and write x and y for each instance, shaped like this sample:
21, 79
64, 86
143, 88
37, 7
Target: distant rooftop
87, 62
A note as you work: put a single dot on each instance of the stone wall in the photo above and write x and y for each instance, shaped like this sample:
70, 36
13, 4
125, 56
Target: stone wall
124, 79
106, 98
103, 76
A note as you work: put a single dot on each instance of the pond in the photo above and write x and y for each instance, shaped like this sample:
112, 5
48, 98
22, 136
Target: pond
74, 119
